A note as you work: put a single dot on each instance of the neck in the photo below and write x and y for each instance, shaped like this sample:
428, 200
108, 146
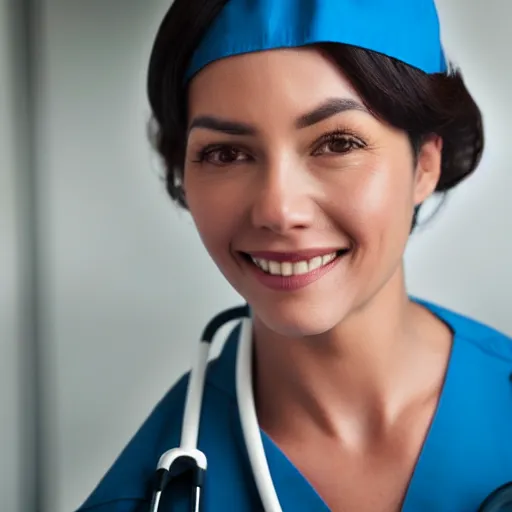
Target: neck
354, 379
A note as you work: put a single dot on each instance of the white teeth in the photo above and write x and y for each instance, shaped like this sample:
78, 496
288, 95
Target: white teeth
328, 258
274, 268
298, 268
315, 263
263, 264
287, 269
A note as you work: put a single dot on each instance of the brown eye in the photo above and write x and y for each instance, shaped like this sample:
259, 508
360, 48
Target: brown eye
225, 156
337, 144
222, 155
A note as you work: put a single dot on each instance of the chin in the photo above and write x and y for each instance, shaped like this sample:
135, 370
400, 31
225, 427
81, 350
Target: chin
292, 321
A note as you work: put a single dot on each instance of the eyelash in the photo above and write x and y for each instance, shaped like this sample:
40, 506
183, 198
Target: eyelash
344, 136
335, 136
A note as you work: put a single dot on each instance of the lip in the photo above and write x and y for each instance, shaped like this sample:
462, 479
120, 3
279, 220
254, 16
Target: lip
295, 282
292, 257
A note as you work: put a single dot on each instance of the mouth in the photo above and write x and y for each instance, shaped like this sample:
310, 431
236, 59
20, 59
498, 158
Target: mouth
289, 271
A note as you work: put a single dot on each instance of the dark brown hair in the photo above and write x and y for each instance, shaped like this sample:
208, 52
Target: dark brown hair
403, 96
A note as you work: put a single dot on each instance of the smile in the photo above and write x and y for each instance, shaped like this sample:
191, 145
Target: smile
289, 268
292, 271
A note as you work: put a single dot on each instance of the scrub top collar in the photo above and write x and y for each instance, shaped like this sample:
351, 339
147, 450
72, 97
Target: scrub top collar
490, 341
476, 391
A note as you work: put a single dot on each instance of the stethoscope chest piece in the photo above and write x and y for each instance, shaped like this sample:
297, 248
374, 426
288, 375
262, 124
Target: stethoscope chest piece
499, 501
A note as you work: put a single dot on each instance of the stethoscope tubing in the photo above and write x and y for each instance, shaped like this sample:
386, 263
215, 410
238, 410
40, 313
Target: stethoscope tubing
249, 421
498, 501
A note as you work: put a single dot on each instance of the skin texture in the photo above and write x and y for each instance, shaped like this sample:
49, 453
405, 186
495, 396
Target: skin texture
346, 366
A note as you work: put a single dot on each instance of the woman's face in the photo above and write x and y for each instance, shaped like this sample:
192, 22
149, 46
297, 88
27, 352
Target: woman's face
303, 198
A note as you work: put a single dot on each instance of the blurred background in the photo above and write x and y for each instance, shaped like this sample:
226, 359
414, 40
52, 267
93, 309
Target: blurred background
104, 285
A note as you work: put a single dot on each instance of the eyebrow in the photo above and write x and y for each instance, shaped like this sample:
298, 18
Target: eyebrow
221, 125
327, 109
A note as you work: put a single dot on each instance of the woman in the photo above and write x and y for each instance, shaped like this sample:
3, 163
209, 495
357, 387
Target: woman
304, 136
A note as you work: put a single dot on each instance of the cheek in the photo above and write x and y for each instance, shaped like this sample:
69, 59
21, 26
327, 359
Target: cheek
212, 210
378, 205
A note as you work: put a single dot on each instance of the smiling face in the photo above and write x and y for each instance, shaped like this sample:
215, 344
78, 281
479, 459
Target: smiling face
302, 197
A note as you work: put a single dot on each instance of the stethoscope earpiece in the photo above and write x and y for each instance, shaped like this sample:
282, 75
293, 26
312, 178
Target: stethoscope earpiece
187, 458
176, 462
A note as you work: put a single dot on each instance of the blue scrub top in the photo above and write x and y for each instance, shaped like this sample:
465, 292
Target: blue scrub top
466, 455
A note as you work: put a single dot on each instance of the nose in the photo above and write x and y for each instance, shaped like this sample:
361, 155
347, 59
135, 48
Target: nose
283, 199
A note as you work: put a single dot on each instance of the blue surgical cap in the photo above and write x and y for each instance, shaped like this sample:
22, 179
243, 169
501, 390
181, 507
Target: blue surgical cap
406, 30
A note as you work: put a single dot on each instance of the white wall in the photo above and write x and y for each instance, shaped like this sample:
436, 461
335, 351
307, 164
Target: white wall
125, 300
10, 393
463, 258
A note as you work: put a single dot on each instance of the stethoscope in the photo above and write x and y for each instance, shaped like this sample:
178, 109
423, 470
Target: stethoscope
188, 458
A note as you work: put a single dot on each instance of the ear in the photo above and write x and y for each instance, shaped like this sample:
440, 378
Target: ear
428, 168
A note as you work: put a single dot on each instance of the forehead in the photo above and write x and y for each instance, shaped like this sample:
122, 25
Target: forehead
255, 83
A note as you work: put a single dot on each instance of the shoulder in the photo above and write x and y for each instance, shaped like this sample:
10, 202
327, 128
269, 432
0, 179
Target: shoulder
471, 429
126, 485
477, 335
